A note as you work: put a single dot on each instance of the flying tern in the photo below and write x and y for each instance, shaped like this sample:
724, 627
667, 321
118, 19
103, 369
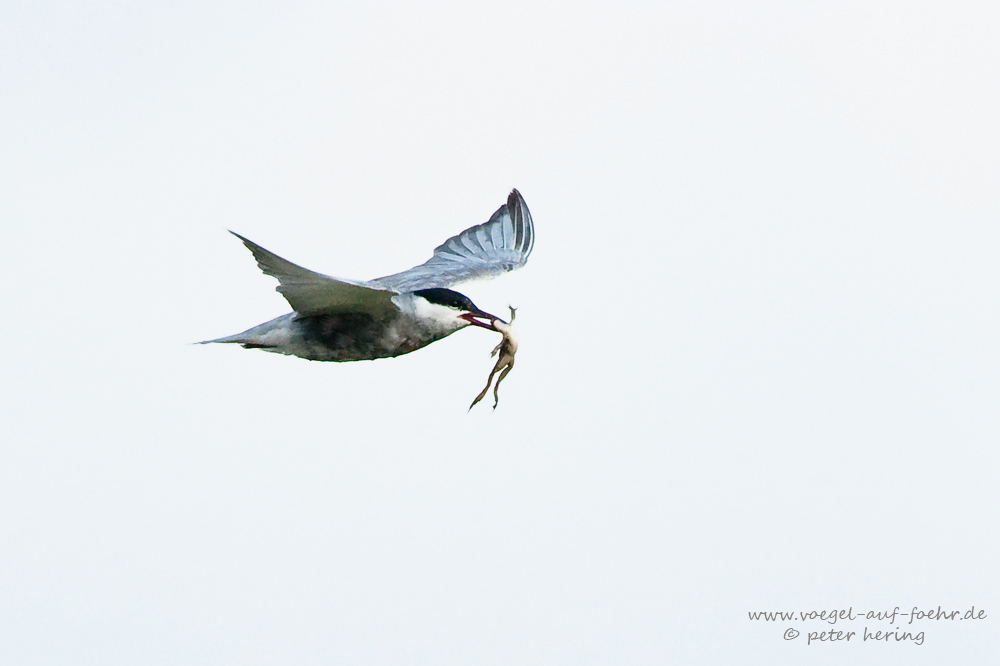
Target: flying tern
350, 320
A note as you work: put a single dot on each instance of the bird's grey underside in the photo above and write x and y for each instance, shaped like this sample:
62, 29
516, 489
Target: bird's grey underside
481, 252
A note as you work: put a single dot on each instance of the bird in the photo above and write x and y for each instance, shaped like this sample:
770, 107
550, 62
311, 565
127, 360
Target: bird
339, 320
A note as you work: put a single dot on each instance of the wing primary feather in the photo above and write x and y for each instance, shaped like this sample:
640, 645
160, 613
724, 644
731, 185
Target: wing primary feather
496, 235
516, 203
469, 243
529, 231
518, 221
270, 263
483, 239
499, 245
309, 292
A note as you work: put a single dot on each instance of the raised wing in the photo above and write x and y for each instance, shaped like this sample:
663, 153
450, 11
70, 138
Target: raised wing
478, 253
312, 293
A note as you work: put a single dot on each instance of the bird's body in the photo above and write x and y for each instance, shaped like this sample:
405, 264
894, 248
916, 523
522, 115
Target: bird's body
353, 335
341, 320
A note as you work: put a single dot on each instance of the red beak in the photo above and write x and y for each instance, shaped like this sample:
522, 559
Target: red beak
474, 319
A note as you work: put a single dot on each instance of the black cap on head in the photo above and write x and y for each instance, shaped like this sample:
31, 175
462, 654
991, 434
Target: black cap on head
448, 298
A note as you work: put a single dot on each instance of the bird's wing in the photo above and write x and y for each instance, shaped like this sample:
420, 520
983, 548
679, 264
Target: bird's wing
480, 252
313, 293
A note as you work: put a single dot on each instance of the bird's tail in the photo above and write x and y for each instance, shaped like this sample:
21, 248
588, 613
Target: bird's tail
273, 333
239, 337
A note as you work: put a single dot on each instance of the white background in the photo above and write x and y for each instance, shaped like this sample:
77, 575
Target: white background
759, 363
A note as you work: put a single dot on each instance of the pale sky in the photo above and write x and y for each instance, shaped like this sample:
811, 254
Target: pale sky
759, 366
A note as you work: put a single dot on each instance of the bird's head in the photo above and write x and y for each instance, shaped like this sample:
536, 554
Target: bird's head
454, 309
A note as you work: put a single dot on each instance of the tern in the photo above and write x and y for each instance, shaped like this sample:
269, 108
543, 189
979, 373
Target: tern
334, 319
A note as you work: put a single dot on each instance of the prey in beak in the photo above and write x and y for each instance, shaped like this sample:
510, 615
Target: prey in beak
507, 348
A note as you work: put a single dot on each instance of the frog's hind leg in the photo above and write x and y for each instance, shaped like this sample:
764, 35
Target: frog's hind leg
496, 388
488, 382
